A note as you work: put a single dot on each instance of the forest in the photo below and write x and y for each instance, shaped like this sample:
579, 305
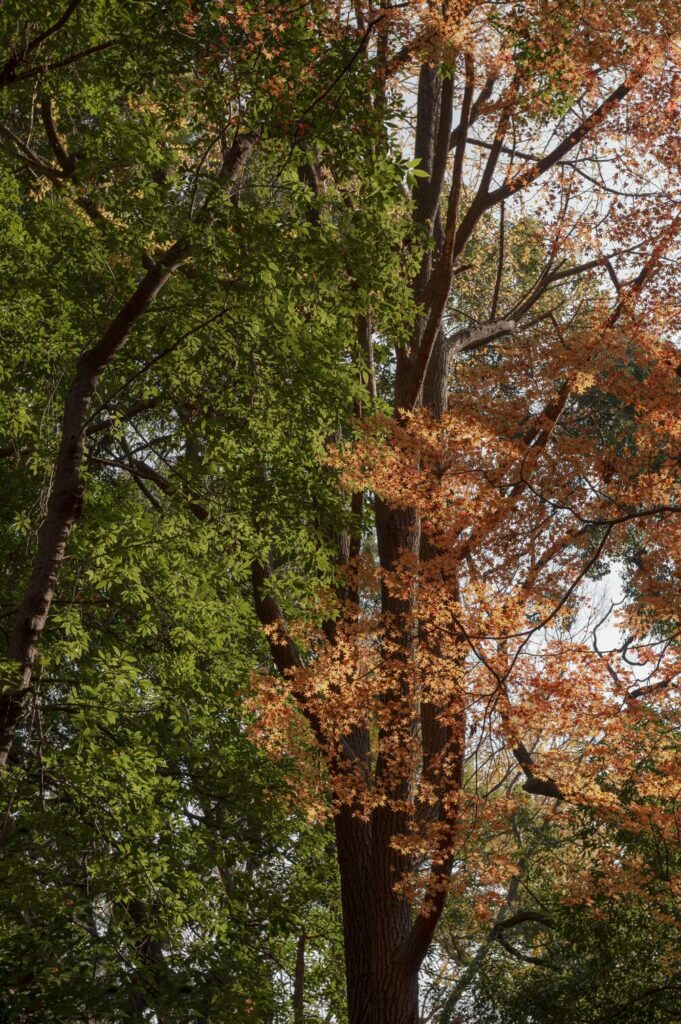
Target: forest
340, 511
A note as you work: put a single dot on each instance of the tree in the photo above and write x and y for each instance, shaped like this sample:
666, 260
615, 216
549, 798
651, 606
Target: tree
484, 531
169, 285
552, 953
247, 297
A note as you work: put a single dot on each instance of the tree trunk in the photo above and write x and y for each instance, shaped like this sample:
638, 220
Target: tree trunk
299, 982
395, 985
396, 991
377, 922
353, 844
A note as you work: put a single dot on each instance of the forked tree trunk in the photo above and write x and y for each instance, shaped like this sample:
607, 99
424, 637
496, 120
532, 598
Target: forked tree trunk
384, 946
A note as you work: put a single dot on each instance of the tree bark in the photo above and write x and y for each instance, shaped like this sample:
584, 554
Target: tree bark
396, 990
353, 846
299, 982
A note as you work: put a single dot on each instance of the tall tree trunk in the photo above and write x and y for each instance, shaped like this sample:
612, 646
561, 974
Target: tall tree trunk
353, 845
396, 991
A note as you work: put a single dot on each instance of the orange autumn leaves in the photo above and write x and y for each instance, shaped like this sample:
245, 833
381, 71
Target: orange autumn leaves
499, 639
558, 453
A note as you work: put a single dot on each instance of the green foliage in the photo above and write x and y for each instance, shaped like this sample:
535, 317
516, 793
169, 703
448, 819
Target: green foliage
154, 861
605, 957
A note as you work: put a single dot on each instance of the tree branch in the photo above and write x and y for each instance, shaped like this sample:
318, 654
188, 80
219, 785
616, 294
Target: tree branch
65, 500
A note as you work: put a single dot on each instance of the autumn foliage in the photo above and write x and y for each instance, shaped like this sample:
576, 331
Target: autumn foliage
478, 661
341, 526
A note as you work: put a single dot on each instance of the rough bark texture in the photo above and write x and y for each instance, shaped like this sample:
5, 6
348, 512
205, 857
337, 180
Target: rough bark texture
353, 845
